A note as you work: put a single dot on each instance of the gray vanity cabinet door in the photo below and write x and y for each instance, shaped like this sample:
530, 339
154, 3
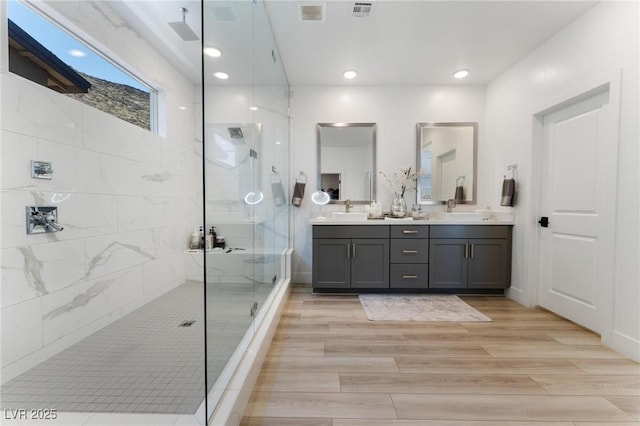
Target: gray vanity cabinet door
488, 263
370, 263
448, 263
331, 263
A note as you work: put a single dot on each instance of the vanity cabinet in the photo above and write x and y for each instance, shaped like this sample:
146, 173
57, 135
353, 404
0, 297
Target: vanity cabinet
409, 257
470, 257
350, 257
434, 258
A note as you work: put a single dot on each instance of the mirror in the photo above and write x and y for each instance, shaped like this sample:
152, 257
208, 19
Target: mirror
347, 161
447, 155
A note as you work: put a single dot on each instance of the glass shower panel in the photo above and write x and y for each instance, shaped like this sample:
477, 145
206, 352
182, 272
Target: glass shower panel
271, 109
231, 147
246, 175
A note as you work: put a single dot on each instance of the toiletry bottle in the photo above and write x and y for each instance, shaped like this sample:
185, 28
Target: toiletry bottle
211, 239
201, 235
195, 239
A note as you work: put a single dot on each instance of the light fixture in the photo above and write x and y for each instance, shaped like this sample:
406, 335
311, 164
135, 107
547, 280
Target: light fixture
461, 73
350, 74
253, 108
212, 51
221, 75
182, 108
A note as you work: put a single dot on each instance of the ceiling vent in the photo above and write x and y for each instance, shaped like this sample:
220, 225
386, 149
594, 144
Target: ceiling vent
311, 11
361, 9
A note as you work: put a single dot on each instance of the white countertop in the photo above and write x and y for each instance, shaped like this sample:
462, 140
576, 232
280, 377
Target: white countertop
495, 219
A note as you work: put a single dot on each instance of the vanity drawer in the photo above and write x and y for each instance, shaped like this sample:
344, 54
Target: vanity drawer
471, 231
409, 231
409, 250
409, 276
350, 231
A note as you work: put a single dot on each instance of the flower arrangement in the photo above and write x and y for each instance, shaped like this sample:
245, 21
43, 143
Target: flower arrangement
403, 181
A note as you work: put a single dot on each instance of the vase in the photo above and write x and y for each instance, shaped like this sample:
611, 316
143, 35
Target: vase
398, 207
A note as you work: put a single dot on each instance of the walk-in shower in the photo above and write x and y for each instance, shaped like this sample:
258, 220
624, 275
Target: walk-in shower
117, 313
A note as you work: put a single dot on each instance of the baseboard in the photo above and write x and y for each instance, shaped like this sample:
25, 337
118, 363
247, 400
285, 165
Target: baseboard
625, 345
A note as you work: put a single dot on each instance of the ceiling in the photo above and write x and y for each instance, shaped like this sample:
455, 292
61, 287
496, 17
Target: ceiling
399, 43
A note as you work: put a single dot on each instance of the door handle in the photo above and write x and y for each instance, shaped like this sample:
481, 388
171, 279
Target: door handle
471, 256
544, 222
409, 251
353, 256
466, 250
348, 251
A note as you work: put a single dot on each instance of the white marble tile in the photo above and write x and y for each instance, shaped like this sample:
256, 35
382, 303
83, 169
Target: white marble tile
20, 280
105, 133
34, 110
64, 160
163, 272
112, 253
134, 212
13, 218
160, 182
70, 309
21, 330
100, 173
194, 266
41, 269
151, 145
85, 215
16, 153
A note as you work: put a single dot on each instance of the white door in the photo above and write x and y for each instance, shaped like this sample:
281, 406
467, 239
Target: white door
579, 152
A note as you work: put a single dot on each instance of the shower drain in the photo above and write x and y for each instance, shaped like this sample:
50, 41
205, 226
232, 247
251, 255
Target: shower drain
188, 323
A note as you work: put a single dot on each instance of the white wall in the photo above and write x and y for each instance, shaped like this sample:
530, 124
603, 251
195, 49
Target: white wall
126, 197
396, 110
600, 44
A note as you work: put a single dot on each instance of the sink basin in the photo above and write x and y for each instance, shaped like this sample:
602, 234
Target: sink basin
349, 217
459, 216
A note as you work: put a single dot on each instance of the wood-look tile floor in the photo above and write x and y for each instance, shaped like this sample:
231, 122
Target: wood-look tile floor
329, 366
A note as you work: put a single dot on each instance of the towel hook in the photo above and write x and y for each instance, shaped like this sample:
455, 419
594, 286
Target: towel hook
302, 175
513, 168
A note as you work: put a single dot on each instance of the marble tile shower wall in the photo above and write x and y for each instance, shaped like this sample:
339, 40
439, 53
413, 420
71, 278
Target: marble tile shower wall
126, 199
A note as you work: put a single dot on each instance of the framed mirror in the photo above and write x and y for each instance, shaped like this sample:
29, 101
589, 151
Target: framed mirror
347, 161
447, 155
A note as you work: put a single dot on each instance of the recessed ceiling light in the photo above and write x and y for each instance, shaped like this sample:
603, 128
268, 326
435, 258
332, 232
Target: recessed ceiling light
253, 108
221, 75
349, 74
77, 53
461, 74
182, 108
212, 51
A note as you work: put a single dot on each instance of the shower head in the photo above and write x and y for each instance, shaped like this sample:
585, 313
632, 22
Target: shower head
182, 28
235, 133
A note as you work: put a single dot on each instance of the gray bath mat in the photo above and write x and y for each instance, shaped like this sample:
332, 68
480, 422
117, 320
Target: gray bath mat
385, 307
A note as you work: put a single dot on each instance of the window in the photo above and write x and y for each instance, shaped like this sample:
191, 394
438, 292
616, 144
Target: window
44, 53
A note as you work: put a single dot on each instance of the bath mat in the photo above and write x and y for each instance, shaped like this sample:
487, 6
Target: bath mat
385, 307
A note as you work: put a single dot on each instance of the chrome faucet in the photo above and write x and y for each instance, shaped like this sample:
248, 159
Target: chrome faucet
451, 203
347, 206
